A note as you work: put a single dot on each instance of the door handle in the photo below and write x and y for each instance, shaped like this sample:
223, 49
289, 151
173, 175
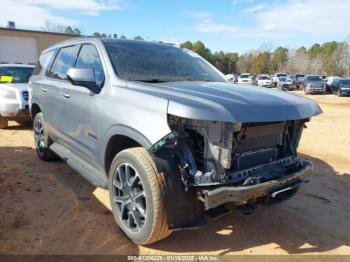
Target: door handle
66, 95
43, 89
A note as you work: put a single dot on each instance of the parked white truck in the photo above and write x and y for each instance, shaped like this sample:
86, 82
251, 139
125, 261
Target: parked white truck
14, 93
276, 76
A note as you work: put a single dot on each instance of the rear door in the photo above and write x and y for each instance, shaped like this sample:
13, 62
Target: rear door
52, 90
81, 125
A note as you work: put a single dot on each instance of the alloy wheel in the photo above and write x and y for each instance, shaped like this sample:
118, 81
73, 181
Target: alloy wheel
129, 197
39, 135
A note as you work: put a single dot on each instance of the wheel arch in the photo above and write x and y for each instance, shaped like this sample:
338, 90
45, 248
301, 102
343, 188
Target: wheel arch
122, 138
35, 108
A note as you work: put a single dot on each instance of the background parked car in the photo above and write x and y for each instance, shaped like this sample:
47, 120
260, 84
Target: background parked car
14, 93
340, 86
323, 77
245, 78
285, 83
329, 82
313, 84
254, 80
232, 78
298, 79
264, 80
276, 76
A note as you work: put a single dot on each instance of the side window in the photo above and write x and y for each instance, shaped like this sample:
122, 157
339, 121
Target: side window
43, 62
88, 58
64, 60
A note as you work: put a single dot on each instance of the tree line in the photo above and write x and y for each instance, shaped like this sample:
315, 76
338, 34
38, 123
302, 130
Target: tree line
330, 58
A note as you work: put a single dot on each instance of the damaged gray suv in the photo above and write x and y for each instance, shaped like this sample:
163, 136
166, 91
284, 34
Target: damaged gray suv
165, 132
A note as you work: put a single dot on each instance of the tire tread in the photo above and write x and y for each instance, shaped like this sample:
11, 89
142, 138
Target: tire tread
160, 229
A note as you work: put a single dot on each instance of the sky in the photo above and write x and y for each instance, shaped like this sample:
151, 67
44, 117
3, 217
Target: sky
228, 25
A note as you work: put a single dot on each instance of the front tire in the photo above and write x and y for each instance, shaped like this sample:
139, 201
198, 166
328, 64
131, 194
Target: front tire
42, 140
136, 192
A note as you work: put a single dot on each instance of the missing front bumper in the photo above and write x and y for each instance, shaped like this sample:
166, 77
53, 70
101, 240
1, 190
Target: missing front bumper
272, 191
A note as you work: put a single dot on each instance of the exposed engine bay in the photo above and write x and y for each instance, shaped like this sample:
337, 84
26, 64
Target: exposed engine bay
213, 153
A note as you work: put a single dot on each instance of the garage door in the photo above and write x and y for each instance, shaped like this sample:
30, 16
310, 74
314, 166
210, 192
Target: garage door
15, 49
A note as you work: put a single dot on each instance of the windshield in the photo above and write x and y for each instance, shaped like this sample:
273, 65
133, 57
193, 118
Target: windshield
149, 62
264, 78
16, 74
281, 75
344, 82
313, 78
244, 76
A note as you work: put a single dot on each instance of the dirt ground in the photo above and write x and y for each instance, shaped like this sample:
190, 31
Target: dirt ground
46, 208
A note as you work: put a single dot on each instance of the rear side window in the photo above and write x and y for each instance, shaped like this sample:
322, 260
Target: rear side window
43, 62
88, 58
64, 60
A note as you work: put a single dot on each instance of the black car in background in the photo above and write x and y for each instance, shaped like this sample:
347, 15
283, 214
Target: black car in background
340, 86
298, 79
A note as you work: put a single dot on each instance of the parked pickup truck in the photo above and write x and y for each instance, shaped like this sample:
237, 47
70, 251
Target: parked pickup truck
165, 132
276, 77
14, 93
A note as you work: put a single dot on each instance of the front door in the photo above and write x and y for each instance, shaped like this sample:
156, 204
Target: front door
81, 125
52, 88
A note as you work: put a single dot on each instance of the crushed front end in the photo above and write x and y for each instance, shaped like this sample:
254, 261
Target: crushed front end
237, 164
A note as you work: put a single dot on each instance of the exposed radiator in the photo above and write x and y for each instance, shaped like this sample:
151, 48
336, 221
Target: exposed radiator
254, 158
257, 145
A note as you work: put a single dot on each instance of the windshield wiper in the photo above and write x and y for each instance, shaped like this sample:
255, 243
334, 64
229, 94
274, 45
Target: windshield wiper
153, 80
197, 79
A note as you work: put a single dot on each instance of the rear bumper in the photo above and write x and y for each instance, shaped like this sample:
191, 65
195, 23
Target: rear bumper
274, 190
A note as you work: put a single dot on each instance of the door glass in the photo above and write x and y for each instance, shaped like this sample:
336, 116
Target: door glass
64, 60
88, 58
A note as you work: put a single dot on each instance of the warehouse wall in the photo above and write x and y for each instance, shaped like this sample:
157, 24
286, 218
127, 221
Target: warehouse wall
43, 40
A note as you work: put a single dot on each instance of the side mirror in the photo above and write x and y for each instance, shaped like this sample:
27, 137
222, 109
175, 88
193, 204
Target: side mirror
83, 77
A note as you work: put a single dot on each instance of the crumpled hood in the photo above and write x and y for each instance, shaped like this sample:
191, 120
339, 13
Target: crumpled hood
228, 102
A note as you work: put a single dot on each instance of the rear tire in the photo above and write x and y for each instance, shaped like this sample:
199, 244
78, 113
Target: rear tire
3, 122
42, 140
136, 192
